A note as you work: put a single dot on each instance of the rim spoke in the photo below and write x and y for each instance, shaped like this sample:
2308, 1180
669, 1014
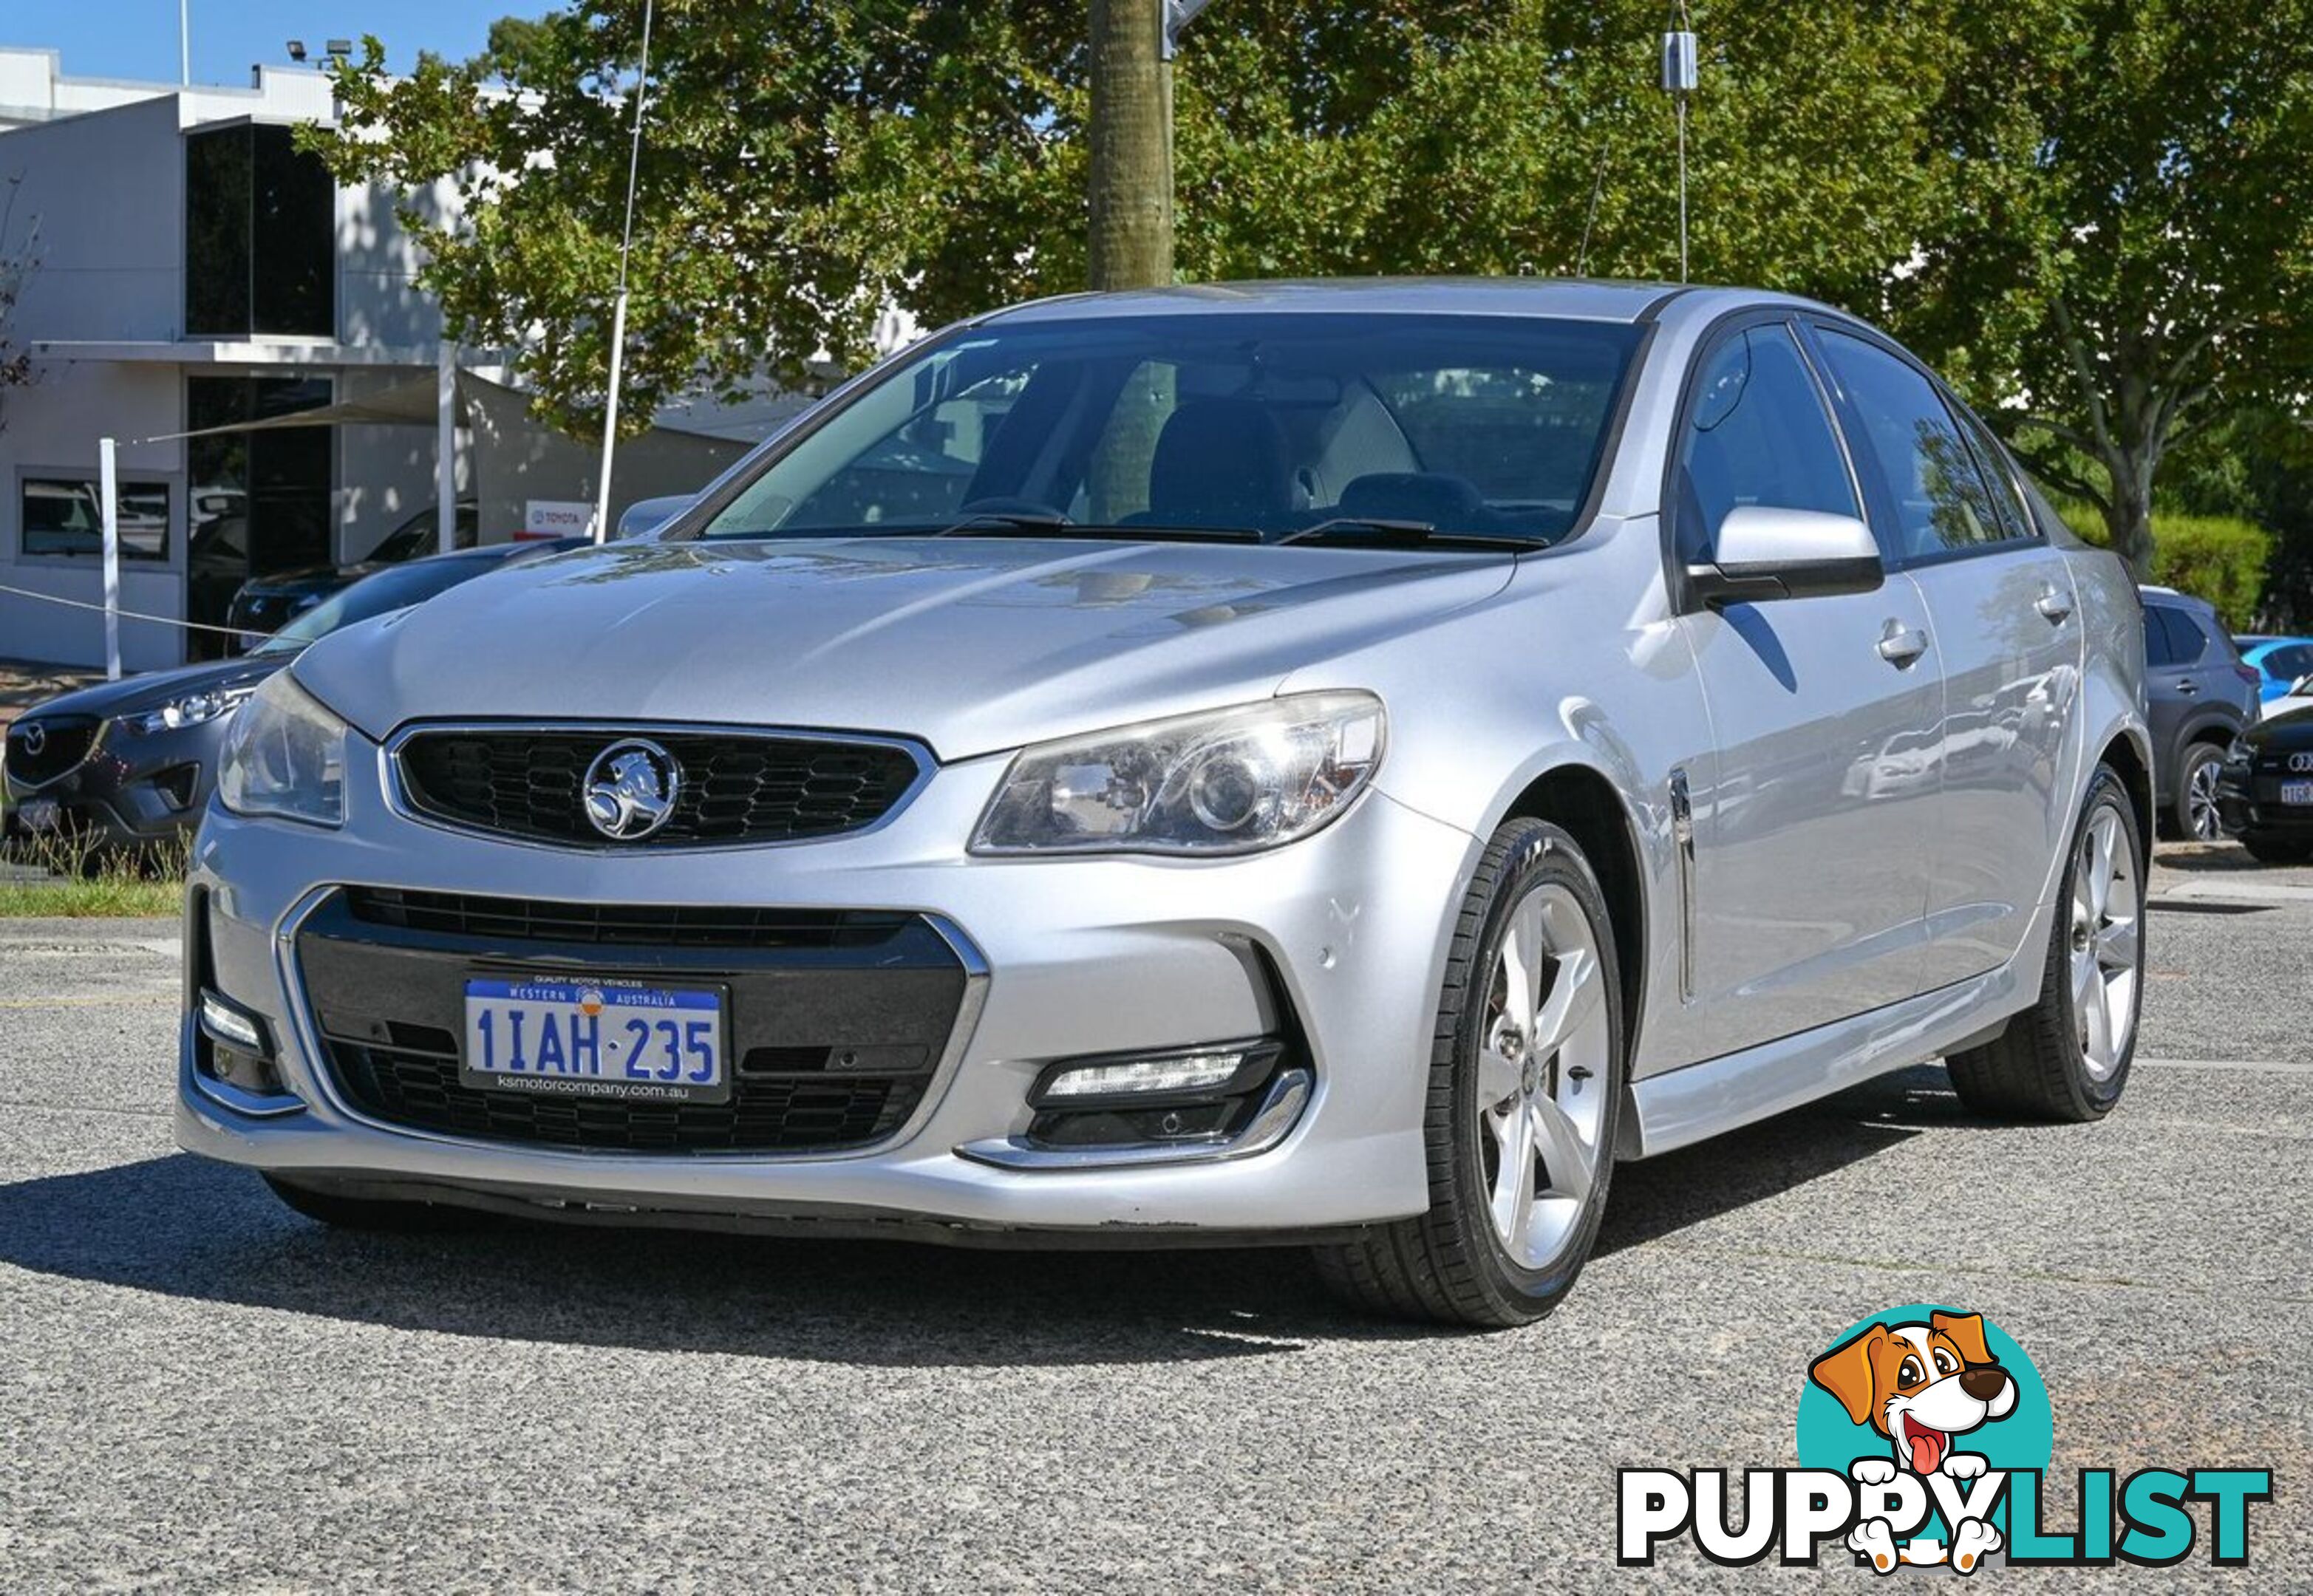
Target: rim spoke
2101, 837
2096, 1020
1513, 1175
1524, 951
1563, 1156
2118, 944
1575, 996
1498, 1079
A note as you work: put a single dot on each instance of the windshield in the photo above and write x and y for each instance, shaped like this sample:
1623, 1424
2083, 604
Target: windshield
372, 596
1477, 426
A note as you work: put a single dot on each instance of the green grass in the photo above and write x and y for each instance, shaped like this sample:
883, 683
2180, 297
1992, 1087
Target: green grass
83, 883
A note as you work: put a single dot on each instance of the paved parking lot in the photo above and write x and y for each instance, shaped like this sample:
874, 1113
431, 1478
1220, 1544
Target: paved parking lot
200, 1390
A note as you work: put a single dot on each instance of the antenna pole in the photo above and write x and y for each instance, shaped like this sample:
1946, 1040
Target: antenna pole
1680, 60
618, 305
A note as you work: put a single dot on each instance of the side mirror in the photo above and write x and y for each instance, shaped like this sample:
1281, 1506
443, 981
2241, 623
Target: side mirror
647, 515
1765, 554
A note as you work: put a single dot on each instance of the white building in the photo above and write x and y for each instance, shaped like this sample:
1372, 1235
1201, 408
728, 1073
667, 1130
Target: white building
193, 270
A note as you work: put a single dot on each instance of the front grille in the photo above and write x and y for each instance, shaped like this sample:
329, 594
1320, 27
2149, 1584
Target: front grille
734, 787
65, 740
767, 1113
645, 926
836, 1020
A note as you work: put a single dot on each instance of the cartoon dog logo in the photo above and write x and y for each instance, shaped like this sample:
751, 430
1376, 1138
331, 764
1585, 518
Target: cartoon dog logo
1921, 1386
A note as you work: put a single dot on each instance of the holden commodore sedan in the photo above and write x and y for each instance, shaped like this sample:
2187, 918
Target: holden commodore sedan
1343, 765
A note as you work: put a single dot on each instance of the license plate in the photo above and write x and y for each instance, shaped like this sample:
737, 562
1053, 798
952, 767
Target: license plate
596, 1038
2297, 792
40, 814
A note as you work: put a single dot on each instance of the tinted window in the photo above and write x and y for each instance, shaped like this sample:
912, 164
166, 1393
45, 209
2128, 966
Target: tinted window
2289, 662
2015, 517
1477, 425
1757, 434
1916, 451
2181, 641
373, 596
260, 246
66, 515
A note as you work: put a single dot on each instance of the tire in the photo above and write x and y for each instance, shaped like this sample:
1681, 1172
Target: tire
2267, 849
2049, 1064
2193, 813
373, 1215
1536, 895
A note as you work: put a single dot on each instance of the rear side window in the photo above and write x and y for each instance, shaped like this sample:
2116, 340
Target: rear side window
1758, 435
1914, 450
2172, 637
2289, 663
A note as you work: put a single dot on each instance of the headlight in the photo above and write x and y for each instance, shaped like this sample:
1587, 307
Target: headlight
1230, 782
285, 755
191, 710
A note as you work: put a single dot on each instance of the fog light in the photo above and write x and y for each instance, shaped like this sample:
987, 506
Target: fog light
232, 1025
1180, 1072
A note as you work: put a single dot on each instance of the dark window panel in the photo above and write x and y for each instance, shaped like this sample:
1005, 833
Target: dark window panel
293, 225
66, 515
217, 180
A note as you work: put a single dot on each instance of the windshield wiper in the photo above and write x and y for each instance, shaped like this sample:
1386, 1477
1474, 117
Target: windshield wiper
1408, 534
1002, 523
1006, 521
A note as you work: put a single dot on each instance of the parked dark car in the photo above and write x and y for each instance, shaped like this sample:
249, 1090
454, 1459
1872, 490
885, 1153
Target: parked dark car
130, 763
2200, 698
2264, 789
265, 604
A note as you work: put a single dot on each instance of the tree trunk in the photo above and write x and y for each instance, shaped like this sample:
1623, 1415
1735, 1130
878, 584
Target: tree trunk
1131, 178
2128, 519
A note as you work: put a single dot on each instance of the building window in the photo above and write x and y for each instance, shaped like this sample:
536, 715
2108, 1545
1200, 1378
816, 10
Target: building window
260, 244
66, 515
259, 500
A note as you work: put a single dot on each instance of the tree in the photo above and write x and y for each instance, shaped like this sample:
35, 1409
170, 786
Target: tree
2125, 257
1130, 139
786, 146
807, 162
17, 264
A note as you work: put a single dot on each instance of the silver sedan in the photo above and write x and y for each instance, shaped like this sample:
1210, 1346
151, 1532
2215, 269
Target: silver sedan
1342, 764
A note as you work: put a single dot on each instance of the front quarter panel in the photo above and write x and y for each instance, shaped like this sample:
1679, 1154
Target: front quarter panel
1576, 663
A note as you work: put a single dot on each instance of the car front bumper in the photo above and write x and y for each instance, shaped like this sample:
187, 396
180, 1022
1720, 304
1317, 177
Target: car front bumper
2250, 804
1338, 941
132, 790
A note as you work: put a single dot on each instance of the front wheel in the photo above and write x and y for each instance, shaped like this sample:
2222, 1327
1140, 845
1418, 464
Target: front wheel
1525, 1099
2066, 1058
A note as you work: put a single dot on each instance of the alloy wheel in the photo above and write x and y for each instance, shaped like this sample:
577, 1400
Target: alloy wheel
1543, 1072
2200, 802
2107, 942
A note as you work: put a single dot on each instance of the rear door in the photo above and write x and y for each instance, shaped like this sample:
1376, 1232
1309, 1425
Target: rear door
1808, 819
2000, 608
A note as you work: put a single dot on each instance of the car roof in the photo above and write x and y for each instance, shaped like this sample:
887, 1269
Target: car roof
1572, 298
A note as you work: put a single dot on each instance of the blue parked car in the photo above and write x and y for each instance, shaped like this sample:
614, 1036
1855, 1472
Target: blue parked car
2281, 664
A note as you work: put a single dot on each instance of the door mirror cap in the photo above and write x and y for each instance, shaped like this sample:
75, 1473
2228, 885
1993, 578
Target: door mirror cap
645, 516
1767, 553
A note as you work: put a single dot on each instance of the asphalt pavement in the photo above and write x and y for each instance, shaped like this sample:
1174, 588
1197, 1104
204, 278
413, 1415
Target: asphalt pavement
201, 1391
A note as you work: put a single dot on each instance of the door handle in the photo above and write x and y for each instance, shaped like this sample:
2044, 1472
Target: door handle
2054, 605
1903, 644
2188, 687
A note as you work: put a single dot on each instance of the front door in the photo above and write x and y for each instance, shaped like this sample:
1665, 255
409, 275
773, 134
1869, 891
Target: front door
1807, 891
1999, 607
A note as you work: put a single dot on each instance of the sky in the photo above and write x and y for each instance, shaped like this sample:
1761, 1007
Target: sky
137, 38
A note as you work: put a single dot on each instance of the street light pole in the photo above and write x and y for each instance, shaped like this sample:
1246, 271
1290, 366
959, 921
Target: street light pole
185, 42
618, 305
1680, 64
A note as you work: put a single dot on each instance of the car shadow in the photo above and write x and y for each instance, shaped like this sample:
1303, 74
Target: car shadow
185, 1227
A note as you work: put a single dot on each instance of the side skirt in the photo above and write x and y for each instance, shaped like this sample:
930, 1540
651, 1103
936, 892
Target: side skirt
1689, 1105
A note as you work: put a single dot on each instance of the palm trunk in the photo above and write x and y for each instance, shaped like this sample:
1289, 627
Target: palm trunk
1131, 138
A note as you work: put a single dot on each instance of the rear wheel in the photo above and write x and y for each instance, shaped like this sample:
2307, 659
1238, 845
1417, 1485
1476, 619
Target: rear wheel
370, 1214
1525, 1099
2267, 849
2194, 812
2067, 1057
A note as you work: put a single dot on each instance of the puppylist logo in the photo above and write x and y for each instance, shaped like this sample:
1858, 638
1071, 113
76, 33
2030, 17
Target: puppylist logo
1924, 1435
